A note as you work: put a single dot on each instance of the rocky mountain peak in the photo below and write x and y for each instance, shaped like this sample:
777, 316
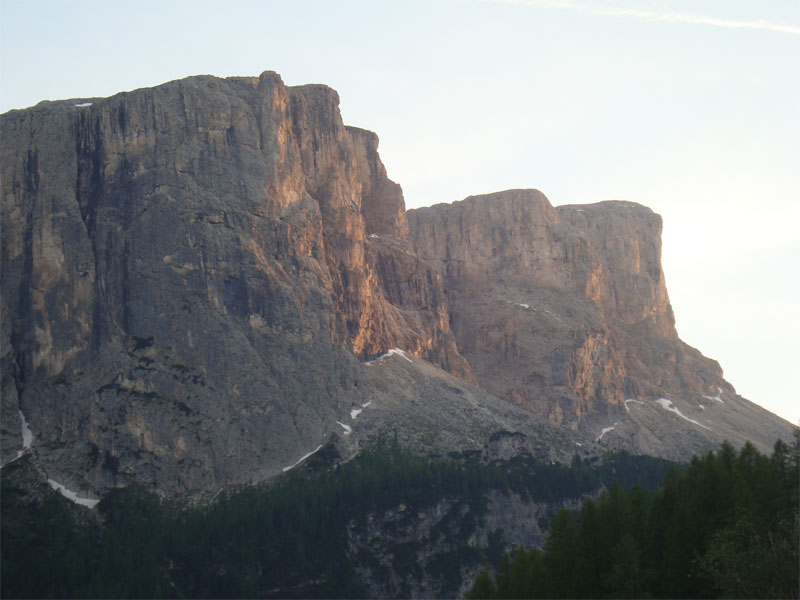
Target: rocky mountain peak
564, 310
189, 284
195, 276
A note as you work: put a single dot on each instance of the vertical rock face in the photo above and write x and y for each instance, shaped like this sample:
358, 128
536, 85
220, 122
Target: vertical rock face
188, 284
193, 275
561, 310
382, 204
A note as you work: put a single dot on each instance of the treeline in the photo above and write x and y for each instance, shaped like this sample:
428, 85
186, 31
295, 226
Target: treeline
727, 527
285, 539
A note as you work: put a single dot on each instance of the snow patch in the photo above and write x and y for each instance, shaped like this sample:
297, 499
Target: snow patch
347, 429
606, 430
519, 304
578, 444
701, 407
533, 308
70, 495
556, 317
354, 412
631, 400
302, 458
83, 104
27, 436
667, 404
388, 354
717, 398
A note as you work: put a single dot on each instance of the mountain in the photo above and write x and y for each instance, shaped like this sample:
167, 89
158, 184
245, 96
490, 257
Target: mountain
564, 311
206, 281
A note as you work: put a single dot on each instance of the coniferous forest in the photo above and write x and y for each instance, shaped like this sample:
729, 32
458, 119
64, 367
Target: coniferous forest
285, 539
726, 527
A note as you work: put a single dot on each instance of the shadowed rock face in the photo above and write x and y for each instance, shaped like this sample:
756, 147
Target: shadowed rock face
194, 274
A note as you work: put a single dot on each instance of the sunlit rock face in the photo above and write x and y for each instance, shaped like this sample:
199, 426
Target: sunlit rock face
553, 307
195, 275
189, 284
565, 311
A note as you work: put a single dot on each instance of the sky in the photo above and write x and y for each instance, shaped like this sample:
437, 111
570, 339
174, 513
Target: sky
688, 107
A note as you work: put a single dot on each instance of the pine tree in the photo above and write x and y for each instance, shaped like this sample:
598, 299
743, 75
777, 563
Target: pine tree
560, 556
625, 578
483, 588
589, 551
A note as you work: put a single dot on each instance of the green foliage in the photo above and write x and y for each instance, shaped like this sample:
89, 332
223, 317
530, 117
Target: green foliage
44, 526
745, 561
285, 539
483, 587
725, 527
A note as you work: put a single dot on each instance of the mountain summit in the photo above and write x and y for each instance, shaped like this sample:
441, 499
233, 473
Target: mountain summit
205, 281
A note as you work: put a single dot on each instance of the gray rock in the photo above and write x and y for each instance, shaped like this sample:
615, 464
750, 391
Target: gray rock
194, 275
564, 311
187, 284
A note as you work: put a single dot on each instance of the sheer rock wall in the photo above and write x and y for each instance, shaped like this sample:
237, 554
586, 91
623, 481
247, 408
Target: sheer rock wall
188, 283
193, 276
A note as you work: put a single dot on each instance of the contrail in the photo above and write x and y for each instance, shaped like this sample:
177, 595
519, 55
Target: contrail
653, 16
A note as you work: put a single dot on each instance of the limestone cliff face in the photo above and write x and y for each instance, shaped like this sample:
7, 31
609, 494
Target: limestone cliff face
194, 275
561, 310
188, 284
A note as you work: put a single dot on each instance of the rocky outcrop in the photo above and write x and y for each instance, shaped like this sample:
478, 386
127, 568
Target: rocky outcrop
194, 276
540, 296
188, 281
420, 558
564, 311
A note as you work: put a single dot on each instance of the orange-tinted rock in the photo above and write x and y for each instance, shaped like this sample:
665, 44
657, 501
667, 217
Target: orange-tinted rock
194, 274
188, 282
560, 310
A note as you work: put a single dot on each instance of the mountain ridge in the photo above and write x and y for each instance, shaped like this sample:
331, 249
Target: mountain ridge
196, 274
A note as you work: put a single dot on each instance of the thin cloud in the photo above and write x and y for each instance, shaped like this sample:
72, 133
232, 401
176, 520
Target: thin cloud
653, 16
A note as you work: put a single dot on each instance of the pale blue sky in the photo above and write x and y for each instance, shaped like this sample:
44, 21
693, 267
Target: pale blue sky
689, 107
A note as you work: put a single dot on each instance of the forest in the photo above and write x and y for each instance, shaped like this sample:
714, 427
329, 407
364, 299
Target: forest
725, 527
286, 538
